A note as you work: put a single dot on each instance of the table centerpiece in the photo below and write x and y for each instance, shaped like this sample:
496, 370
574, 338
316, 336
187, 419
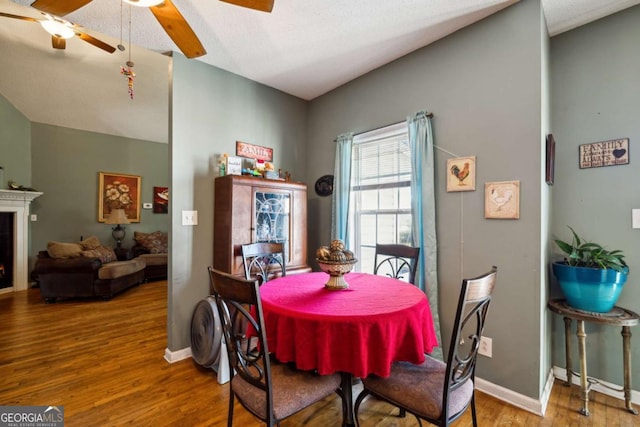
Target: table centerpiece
336, 261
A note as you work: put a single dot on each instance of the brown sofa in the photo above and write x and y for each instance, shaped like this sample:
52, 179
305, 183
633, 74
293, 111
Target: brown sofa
64, 272
152, 248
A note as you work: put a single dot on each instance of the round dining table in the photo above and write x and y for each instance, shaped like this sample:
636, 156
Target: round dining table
357, 331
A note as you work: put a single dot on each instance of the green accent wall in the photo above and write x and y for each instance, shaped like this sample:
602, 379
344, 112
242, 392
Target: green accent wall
211, 109
484, 87
15, 144
596, 88
66, 163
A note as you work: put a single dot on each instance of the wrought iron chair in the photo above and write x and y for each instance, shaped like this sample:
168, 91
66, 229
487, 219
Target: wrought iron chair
270, 391
263, 260
433, 390
397, 261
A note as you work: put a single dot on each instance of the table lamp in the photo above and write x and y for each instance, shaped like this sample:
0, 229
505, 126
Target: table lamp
118, 217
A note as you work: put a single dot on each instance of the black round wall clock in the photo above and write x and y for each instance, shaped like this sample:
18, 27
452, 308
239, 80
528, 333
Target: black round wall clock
324, 185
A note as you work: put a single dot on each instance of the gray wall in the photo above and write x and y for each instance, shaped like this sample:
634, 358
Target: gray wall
595, 98
207, 119
483, 85
66, 163
63, 163
15, 144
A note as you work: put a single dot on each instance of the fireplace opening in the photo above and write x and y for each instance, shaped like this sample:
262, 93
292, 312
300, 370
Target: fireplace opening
6, 249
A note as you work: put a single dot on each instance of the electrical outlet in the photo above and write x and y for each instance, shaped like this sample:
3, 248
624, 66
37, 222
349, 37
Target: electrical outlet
485, 346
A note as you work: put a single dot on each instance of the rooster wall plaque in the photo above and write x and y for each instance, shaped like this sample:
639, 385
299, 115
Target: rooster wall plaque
461, 174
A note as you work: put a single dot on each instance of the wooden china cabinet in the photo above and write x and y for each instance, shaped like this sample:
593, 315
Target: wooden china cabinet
249, 209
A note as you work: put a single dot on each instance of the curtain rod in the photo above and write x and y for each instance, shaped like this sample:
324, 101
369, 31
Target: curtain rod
429, 115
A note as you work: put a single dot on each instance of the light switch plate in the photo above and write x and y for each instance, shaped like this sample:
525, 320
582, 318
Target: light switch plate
189, 217
147, 206
635, 218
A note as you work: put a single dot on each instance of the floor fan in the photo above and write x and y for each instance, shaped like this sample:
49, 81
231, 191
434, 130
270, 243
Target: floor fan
207, 346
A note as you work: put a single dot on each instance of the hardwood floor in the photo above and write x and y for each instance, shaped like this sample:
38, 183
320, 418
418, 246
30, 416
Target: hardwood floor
103, 361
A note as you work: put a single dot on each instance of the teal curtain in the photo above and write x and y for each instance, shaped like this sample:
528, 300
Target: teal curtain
423, 211
341, 188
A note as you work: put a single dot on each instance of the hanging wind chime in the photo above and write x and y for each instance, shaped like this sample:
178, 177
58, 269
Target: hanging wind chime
127, 71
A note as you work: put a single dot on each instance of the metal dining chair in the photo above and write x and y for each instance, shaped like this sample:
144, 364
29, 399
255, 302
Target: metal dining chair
263, 260
436, 391
397, 261
270, 391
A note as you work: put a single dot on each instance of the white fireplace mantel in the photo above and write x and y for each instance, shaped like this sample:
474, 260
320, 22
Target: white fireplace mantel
18, 202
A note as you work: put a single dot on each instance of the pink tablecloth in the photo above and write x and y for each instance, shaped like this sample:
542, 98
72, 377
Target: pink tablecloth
360, 330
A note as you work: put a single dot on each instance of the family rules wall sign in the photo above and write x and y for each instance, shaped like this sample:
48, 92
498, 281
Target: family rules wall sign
614, 152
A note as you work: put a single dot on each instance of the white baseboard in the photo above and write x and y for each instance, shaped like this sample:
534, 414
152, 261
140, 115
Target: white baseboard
185, 353
527, 403
176, 356
561, 374
539, 407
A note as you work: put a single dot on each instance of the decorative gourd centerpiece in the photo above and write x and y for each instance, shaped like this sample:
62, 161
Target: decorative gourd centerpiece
590, 277
336, 261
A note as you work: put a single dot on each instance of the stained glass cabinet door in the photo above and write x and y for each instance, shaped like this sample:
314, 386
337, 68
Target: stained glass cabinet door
248, 210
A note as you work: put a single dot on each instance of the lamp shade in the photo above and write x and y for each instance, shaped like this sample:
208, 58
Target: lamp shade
117, 216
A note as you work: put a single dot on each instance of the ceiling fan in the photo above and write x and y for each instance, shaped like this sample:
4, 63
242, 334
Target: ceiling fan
61, 30
165, 12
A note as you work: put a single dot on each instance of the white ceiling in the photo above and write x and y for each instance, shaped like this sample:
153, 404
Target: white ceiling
304, 47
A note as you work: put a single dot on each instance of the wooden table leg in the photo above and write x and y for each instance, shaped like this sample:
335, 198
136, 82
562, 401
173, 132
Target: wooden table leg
567, 349
584, 389
626, 363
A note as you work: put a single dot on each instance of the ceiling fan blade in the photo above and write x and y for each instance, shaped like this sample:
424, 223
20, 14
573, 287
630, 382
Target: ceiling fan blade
94, 41
24, 18
261, 5
59, 7
58, 42
178, 29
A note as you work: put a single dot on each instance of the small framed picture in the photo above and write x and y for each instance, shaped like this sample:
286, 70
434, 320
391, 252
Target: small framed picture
551, 159
234, 165
461, 174
502, 200
161, 200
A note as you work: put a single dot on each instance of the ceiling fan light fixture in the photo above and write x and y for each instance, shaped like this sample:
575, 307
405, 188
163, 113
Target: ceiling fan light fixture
144, 3
58, 27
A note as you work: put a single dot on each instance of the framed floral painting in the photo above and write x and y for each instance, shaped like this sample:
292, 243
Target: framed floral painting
119, 191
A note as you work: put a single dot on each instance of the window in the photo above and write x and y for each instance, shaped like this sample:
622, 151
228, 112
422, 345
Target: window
380, 205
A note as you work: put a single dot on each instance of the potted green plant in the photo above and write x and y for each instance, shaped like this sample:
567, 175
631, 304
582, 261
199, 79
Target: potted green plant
590, 276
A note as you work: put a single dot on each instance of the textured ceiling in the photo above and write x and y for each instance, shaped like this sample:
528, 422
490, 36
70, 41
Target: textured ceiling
305, 48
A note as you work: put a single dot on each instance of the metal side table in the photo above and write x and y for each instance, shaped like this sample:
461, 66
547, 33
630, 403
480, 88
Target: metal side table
618, 316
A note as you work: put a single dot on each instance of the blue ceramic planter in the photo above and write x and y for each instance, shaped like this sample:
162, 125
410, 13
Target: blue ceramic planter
590, 289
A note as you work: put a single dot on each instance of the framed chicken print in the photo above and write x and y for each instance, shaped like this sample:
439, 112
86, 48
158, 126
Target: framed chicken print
461, 174
502, 200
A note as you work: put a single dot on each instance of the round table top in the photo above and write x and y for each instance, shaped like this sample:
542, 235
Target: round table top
305, 296
618, 316
360, 330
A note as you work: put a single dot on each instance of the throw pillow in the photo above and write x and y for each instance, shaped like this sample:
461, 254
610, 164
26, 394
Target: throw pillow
91, 242
155, 243
103, 253
63, 250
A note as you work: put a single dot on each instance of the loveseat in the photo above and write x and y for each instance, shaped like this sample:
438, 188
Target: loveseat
84, 269
153, 248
